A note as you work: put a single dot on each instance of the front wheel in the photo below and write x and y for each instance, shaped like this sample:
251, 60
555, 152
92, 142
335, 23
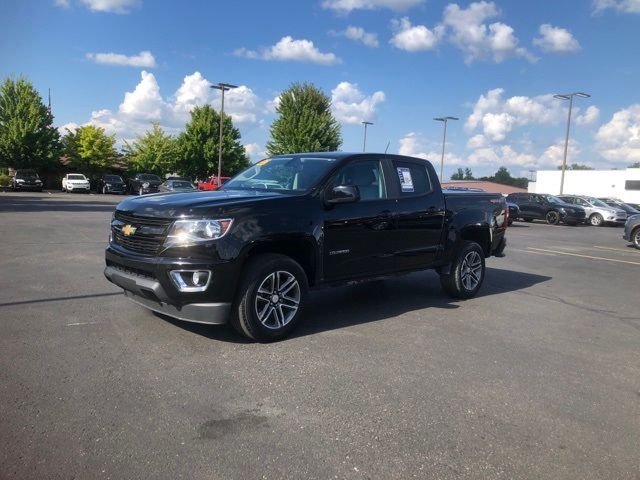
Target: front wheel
467, 272
104, 190
596, 220
552, 217
140, 191
271, 298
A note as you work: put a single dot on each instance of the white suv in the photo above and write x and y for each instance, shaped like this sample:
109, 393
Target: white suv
75, 182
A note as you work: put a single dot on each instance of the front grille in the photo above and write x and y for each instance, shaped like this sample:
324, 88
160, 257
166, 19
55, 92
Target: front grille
149, 235
130, 270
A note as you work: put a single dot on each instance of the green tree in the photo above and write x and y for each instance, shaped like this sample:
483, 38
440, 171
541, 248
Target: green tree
89, 149
635, 165
198, 145
154, 152
576, 166
468, 174
459, 175
304, 123
504, 177
27, 136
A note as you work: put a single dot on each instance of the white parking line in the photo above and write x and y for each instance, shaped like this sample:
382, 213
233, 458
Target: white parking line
529, 251
625, 250
585, 256
81, 323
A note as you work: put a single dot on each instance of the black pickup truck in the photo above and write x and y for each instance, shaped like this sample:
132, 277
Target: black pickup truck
249, 252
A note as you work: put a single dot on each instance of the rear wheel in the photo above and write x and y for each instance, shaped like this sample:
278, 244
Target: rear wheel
467, 272
271, 298
552, 217
635, 237
596, 220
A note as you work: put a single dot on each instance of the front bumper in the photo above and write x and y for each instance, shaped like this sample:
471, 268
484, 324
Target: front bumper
78, 188
28, 186
572, 218
149, 293
115, 188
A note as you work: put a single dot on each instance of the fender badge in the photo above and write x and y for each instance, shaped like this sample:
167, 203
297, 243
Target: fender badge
128, 230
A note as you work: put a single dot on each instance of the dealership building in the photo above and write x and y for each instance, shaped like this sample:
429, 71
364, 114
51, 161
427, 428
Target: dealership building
623, 184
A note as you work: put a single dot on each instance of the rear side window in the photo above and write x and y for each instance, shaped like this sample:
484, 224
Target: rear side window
413, 178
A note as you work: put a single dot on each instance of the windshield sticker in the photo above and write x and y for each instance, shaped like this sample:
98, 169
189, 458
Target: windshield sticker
406, 182
263, 162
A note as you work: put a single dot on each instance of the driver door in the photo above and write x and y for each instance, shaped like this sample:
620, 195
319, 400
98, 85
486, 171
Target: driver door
358, 236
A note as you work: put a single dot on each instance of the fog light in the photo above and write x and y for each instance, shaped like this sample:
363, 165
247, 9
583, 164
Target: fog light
191, 280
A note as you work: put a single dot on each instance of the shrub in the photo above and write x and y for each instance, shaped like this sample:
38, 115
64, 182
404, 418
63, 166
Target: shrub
5, 180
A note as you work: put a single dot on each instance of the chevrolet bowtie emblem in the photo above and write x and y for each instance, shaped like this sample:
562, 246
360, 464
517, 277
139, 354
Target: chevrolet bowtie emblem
129, 230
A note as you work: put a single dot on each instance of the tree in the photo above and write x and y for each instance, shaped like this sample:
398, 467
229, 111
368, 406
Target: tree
468, 175
304, 123
635, 165
504, 177
27, 136
459, 175
89, 149
576, 166
198, 145
154, 152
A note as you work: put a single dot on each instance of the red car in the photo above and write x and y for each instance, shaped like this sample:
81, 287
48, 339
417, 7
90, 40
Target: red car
212, 183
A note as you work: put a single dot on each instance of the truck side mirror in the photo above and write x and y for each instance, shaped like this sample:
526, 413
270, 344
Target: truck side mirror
343, 194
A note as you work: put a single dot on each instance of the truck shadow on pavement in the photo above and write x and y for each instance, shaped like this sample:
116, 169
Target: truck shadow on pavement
341, 307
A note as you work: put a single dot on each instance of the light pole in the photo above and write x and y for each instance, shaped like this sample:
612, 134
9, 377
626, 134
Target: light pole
364, 144
568, 96
222, 87
444, 141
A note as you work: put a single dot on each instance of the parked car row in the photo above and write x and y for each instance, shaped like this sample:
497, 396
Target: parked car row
570, 209
139, 184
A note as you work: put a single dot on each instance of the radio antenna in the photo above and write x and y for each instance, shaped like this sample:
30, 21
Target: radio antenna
388, 143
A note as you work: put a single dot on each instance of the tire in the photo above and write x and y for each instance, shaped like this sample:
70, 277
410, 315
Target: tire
635, 237
260, 313
461, 282
552, 217
140, 191
510, 222
596, 220
527, 219
104, 190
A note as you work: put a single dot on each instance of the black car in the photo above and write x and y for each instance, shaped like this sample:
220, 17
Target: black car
249, 251
26, 180
111, 184
514, 212
177, 186
142, 183
537, 206
628, 209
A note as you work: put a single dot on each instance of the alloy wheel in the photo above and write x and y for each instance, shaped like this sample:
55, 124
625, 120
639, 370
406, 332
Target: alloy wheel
552, 218
277, 299
636, 238
595, 220
471, 270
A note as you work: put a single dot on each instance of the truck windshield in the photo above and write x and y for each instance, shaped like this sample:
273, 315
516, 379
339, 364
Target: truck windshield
292, 174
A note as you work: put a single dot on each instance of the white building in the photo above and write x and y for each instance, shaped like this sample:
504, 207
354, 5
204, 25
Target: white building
622, 184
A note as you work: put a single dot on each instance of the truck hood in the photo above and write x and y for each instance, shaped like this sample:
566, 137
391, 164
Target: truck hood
193, 203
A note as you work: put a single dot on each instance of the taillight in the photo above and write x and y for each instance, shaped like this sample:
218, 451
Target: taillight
506, 216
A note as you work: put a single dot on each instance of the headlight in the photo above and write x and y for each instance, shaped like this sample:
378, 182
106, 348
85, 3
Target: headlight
108, 185
190, 232
145, 185
562, 210
19, 180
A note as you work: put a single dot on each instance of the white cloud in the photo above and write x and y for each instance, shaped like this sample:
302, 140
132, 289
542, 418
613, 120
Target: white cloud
556, 39
144, 59
553, 155
288, 49
351, 106
618, 140
591, 115
413, 38
478, 40
110, 6
71, 127
346, 6
413, 145
496, 117
624, 6
255, 151
358, 34
145, 104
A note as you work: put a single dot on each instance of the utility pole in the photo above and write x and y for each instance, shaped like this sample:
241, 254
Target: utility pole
223, 87
444, 141
364, 144
568, 96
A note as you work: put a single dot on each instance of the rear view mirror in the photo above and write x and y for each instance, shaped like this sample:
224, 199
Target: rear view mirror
344, 194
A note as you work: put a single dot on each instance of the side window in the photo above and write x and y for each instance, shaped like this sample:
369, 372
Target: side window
413, 178
367, 176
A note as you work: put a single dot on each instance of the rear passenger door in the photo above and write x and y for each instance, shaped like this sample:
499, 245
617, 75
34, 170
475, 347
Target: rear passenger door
526, 204
420, 213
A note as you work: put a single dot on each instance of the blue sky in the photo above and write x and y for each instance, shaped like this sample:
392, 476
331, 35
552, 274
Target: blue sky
122, 64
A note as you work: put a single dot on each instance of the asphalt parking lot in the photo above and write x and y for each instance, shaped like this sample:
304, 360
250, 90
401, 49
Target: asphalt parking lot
537, 377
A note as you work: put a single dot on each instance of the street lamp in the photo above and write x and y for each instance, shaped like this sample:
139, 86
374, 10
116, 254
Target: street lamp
568, 96
364, 144
444, 140
223, 87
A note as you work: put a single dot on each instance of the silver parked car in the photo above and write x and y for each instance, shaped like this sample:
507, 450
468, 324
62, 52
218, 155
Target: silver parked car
632, 230
598, 212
